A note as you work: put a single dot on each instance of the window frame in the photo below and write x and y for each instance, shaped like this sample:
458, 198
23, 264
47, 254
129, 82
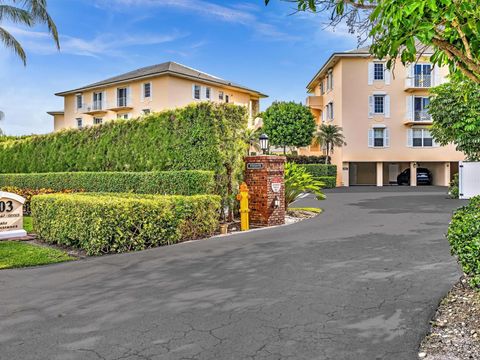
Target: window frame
375, 97
221, 95
97, 121
382, 130
375, 72
77, 105
79, 123
422, 138
195, 88
144, 92
208, 92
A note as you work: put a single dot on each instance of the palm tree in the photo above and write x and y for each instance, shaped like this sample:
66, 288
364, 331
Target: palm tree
329, 137
29, 13
251, 138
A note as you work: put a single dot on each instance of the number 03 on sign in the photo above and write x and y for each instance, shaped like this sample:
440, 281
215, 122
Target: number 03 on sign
11, 216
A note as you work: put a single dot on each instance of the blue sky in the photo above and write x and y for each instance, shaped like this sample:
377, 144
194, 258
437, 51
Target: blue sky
265, 48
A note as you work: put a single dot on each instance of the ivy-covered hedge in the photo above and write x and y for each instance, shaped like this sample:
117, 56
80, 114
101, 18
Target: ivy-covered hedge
101, 223
203, 136
317, 170
190, 182
330, 182
306, 159
464, 238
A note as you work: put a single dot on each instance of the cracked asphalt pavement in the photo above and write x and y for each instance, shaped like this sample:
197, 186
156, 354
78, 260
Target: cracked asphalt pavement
360, 281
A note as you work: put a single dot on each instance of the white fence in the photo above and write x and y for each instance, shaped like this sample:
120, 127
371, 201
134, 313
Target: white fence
469, 179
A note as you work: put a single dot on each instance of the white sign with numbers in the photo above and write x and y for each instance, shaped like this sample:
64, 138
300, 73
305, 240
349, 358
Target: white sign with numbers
11, 216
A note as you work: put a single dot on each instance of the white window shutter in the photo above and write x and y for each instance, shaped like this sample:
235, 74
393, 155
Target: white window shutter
128, 96
142, 93
193, 91
370, 72
409, 75
324, 114
104, 100
410, 137
386, 138
387, 106
436, 76
409, 109
370, 106
387, 76
370, 137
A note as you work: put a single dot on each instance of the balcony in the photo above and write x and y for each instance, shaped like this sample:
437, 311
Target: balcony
97, 107
419, 82
420, 117
122, 103
315, 102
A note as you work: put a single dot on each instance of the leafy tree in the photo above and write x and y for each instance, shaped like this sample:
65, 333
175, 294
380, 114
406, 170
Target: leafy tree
251, 138
450, 27
24, 12
289, 124
298, 181
455, 109
330, 137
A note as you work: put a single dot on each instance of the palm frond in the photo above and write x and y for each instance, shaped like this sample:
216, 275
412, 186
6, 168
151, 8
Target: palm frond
15, 15
38, 9
12, 43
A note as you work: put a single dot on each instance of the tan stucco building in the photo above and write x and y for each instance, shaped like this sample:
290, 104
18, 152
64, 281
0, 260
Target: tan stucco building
146, 90
384, 116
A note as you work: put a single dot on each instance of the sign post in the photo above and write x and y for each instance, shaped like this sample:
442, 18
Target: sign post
11, 216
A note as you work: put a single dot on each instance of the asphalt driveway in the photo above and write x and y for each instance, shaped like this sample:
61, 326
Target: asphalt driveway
360, 281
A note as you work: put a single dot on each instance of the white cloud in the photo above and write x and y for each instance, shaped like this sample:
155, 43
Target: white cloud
105, 44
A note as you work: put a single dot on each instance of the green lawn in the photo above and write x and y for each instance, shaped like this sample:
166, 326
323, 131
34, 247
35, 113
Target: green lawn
28, 224
15, 254
314, 210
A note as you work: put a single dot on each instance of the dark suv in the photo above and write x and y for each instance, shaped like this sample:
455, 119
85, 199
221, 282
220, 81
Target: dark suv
424, 177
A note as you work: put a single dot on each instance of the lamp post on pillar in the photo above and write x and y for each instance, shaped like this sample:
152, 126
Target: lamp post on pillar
264, 143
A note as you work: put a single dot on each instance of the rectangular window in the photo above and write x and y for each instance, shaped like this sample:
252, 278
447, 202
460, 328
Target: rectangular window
322, 87
147, 90
378, 137
124, 116
122, 97
378, 71
146, 111
227, 98
422, 138
79, 123
208, 93
97, 100
423, 75
378, 104
97, 121
330, 111
220, 95
197, 92
330, 80
421, 108
79, 101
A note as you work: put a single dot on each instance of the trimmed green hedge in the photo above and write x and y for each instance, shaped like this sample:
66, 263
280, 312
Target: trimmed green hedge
187, 182
306, 159
317, 170
464, 238
329, 181
202, 136
101, 223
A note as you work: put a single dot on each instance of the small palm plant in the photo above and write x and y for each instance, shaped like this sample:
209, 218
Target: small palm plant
251, 139
329, 137
29, 13
298, 181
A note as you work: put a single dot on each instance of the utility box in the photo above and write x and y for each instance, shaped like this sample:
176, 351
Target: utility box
265, 176
468, 179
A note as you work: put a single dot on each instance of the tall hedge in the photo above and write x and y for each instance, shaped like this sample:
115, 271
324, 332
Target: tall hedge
188, 182
106, 223
317, 170
203, 136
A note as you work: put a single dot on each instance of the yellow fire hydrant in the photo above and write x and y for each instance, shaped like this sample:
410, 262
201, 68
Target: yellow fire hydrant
243, 198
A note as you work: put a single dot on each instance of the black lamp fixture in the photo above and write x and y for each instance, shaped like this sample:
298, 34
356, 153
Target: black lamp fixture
264, 143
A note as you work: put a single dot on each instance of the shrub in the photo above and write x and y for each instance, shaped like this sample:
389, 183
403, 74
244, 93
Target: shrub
464, 238
29, 193
304, 159
192, 182
298, 182
101, 223
453, 190
318, 170
329, 182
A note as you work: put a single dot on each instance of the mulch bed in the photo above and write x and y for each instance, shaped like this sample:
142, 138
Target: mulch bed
455, 330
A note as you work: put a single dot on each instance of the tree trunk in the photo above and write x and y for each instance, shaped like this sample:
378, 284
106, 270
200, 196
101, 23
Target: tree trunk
284, 149
328, 152
229, 192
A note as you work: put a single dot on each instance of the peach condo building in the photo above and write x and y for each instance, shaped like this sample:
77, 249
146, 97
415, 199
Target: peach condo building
149, 89
384, 117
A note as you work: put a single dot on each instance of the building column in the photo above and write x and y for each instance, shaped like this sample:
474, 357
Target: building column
446, 172
379, 173
413, 173
345, 174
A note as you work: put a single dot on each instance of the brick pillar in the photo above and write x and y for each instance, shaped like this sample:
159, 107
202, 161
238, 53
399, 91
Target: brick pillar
264, 176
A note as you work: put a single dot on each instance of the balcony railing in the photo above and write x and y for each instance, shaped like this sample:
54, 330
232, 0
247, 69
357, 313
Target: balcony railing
123, 102
422, 81
93, 107
422, 115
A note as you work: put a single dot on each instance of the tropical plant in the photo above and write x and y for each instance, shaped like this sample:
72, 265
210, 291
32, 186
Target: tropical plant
24, 12
288, 124
402, 28
251, 137
455, 109
298, 181
454, 190
329, 137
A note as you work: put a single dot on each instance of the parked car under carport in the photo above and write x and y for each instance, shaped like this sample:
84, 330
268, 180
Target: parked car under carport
424, 177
